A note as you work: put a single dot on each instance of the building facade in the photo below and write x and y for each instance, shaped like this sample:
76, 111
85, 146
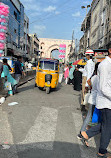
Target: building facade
85, 39
98, 35
26, 39
34, 46
18, 26
47, 46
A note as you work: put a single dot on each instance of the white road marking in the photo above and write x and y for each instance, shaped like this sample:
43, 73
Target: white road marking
42, 134
6, 136
85, 152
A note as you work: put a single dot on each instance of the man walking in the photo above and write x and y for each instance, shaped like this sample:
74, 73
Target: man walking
18, 71
87, 73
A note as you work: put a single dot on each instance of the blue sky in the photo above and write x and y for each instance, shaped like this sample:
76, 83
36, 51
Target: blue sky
55, 18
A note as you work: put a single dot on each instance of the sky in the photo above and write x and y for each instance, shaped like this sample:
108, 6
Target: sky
56, 18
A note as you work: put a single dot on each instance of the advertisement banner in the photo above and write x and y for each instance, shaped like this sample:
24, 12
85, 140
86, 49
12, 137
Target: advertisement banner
62, 52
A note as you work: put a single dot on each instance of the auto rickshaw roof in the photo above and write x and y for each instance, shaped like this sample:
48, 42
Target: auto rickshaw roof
49, 59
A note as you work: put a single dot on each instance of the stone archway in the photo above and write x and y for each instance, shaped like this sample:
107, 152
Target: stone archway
51, 48
55, 53
47, 45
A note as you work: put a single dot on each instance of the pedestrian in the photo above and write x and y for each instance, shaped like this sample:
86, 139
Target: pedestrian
92, 100
9, 80
18, 71
87, 73
66, 74
1, 67
60, 73
71, 74
103, 102
30, 66
1, 79
77, 79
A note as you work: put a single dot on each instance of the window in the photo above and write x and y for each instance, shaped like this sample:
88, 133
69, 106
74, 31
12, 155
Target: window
24, 35
15, 14
95, 19
15, 31
47, 65
24, 47
27, 25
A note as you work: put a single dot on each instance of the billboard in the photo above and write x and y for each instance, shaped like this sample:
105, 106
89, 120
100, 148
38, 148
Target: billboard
62, 53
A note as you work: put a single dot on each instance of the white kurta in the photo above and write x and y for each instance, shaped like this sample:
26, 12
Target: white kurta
90, 66
103, 99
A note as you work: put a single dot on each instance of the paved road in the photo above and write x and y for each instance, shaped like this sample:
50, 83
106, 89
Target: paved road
43, 126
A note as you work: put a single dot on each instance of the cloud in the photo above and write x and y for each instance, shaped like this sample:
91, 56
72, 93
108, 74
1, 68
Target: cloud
54, 1
86, 2
30, 6
57, 13
78, 14
50, 9
34, 14
38, 29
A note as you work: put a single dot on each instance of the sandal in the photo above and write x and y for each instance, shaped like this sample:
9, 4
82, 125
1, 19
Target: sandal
84, 141
103, 156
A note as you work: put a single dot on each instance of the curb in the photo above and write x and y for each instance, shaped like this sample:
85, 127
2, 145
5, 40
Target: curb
22, 83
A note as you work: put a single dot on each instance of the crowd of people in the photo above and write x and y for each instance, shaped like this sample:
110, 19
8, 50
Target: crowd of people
96, 94
97, 79
9, 83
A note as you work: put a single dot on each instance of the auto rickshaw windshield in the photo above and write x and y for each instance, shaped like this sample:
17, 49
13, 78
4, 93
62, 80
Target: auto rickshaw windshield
48, 65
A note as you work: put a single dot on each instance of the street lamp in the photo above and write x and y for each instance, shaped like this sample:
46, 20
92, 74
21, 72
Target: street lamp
85, 7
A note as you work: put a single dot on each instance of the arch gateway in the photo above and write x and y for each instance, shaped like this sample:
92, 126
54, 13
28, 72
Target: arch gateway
48, 45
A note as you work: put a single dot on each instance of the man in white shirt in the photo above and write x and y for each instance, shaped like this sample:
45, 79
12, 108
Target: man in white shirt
29, 66
103, 102
87, 72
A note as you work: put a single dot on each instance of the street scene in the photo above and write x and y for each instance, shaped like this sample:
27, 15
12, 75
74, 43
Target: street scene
55, 79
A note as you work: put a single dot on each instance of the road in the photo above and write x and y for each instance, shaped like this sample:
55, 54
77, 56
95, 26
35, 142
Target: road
44, 126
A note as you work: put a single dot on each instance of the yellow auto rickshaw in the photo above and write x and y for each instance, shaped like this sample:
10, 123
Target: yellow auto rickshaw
47, 74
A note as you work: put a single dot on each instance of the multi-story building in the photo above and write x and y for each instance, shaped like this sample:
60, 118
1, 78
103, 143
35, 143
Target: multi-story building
98, 24
108, 23
85, 27
34, 46
18, 25
26, 45
81, 47
98, 35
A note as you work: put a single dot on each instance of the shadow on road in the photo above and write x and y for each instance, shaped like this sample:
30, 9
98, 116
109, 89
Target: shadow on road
26, 88
51, 150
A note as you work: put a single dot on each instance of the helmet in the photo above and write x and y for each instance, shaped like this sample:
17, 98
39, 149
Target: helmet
89, 52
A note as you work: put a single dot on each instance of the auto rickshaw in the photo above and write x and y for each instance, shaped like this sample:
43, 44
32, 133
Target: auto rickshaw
47, 74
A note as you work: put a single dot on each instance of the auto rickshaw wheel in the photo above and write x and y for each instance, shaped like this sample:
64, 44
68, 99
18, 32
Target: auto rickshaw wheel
47, 90
35, 85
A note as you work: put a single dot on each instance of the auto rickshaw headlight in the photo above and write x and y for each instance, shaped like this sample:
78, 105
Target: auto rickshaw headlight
48, 82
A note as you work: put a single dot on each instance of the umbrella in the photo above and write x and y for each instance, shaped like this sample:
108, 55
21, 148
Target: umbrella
82, 62
76, 62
